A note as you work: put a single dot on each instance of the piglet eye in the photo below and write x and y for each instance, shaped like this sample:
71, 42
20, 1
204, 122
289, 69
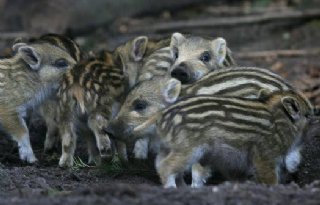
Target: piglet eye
139, 105
61, 63
205, 57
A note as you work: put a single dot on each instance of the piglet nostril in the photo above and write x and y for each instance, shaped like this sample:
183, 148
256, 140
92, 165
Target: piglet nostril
118, 130
174, 73
181, 74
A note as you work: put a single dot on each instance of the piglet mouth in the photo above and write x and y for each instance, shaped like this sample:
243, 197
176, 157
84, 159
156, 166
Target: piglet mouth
117, 133
194, 76
197, 75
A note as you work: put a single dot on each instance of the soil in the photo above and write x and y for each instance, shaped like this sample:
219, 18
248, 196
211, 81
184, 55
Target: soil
46, 183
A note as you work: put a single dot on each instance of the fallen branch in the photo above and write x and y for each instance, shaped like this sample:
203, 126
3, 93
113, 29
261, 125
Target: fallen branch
277, 53
243, 10
13, 35
222, 22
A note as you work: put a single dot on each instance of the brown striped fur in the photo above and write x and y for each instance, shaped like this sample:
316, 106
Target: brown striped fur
160, 61
133, 53
86, 97
48, 109
27, 79
150, 93
90, 92
247, 82
237, 134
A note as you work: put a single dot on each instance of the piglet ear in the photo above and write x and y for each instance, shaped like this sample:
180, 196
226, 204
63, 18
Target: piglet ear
264, 93
28, 54
20, 40
171, 90
291, 107
220, 50
177, 39
17, 45
139, 47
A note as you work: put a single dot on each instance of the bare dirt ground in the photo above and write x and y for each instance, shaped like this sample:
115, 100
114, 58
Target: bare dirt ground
46, 183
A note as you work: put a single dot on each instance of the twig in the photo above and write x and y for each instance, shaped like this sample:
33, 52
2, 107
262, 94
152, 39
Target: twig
277, 53
241, 10
13, 35
224, 22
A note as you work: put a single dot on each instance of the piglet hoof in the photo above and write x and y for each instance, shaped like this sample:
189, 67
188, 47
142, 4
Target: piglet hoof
27, 155
105, 152
196, 185
31, 159
105, 146
170, 186
65, 161
94, 160
170, 182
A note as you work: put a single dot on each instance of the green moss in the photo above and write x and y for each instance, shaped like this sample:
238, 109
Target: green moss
79, 164
55, 192
117, 167
315, 23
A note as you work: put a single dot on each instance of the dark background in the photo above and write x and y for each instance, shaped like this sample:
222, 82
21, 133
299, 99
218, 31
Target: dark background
291, 28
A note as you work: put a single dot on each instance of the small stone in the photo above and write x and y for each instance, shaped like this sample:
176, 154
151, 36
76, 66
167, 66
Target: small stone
215, 189
42, 183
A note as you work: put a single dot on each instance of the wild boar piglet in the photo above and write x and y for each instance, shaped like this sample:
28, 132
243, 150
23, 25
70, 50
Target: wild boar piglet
27, 79
195, 56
